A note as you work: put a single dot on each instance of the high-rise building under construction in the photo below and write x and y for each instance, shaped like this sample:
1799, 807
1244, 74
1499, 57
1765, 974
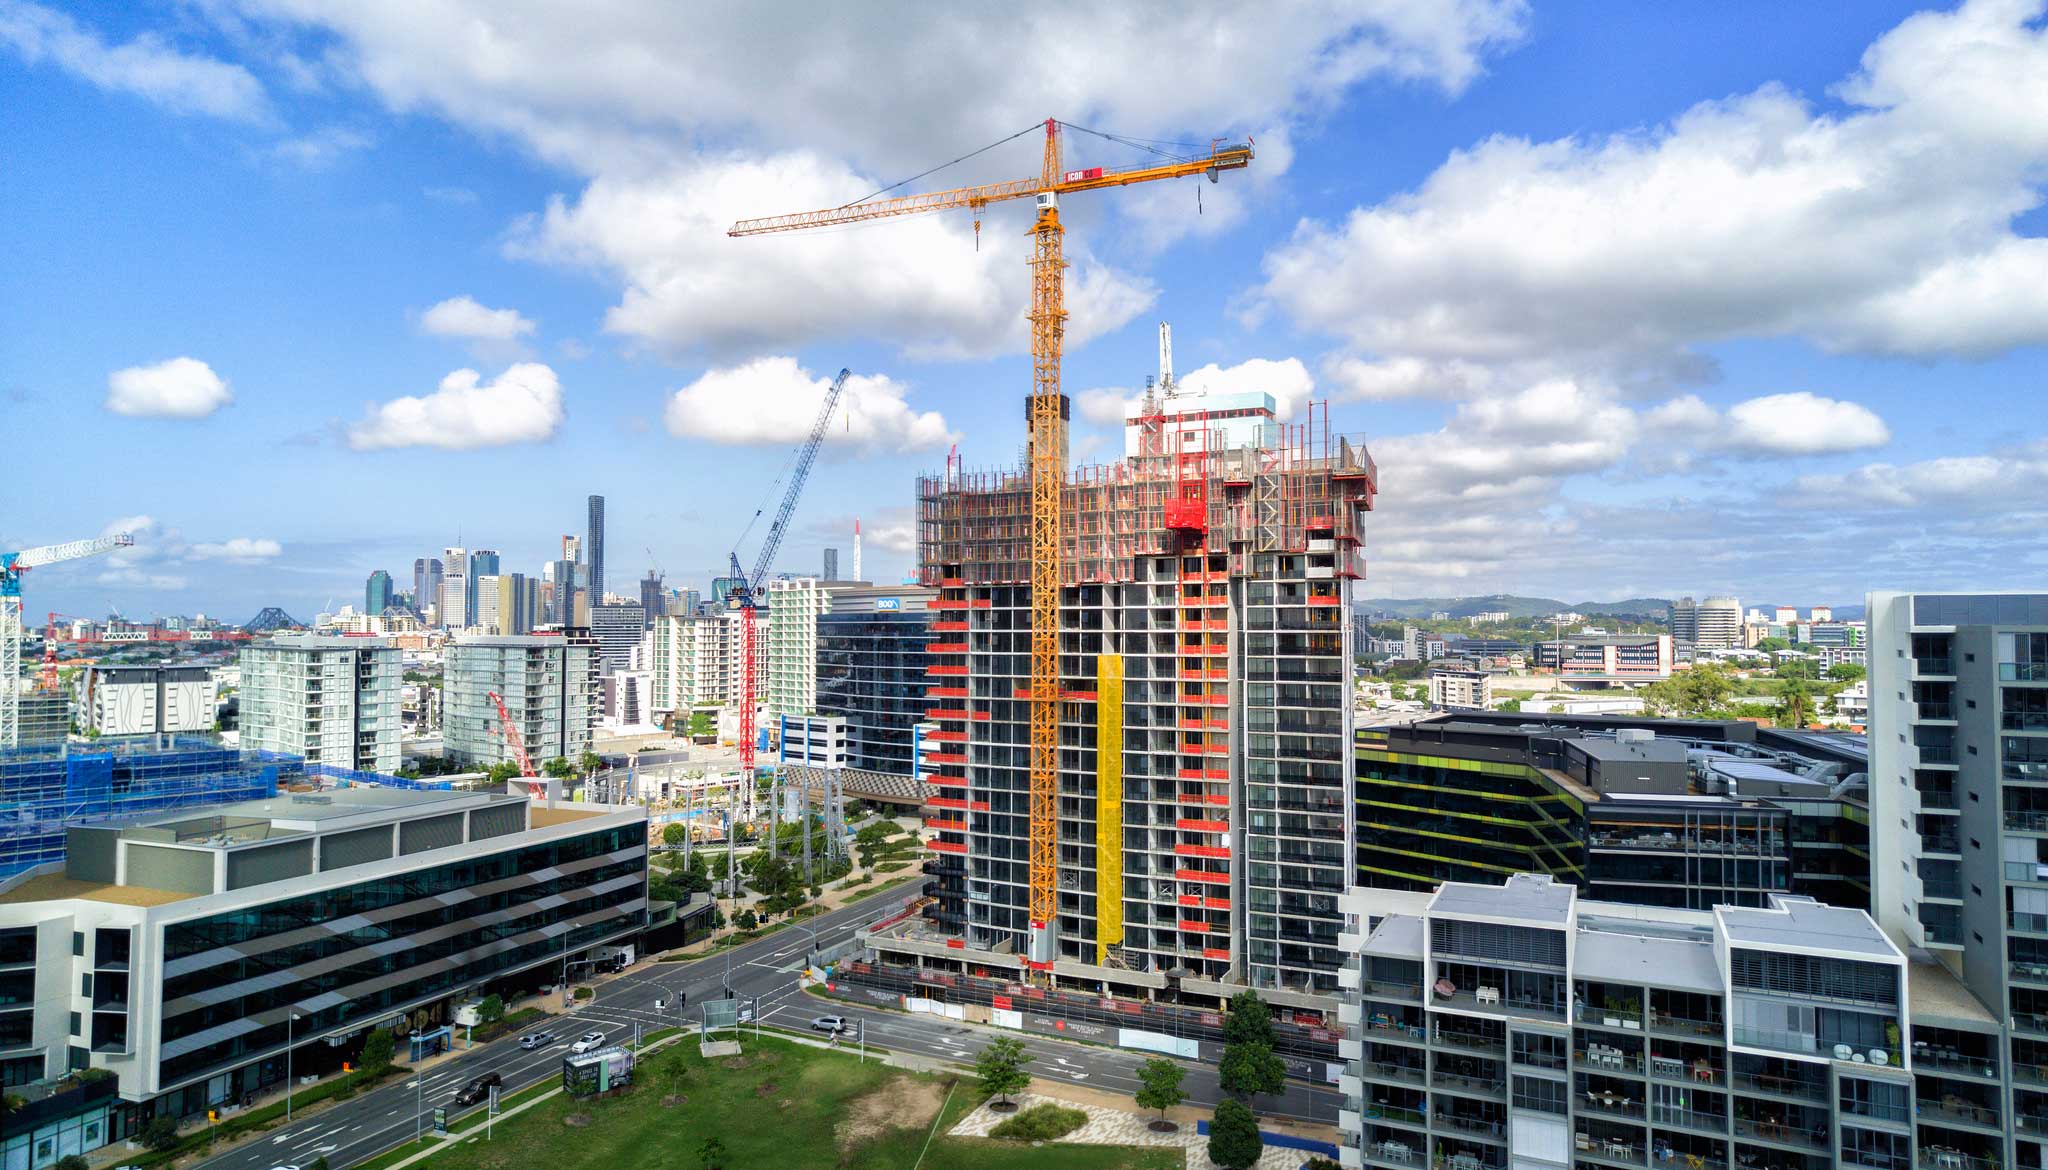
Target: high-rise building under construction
1203, 814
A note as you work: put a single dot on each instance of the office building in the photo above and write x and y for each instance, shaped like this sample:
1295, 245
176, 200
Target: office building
519, 604
426, 586
377, 593
1713, 624
330, 699
1518, 1025
1454, 689
51, 789
596, 547
485, 600
549, 687
1607, 660
145, 700
617, 626
1206, 576
455, 588
1689, 813
483, 563
831, 564
197, 955
871, 661
653, 598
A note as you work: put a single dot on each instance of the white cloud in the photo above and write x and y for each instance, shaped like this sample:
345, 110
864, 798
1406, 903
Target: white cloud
1804, 424
181, 387
521, 405
183, 83
918, 281
321, 148
650, 108
1997, 482
1105, 406
243, 549
773, 400
1287, 380
463, 317
1888, 229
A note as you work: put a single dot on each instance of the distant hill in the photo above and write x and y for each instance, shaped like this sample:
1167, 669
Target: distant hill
1513, 606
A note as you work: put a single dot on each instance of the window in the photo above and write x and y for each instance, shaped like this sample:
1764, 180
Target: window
1545, 1096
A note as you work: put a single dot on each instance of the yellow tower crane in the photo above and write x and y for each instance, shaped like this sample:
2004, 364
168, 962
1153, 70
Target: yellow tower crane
1048, 437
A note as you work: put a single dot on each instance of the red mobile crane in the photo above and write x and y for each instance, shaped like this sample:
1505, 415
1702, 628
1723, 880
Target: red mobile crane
518, 745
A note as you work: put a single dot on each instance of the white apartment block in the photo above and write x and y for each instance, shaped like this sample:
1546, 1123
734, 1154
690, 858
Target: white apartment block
1455, 689
486, 616
549, 687
455, 588
144, 700
789, 671
697, 661
332, 699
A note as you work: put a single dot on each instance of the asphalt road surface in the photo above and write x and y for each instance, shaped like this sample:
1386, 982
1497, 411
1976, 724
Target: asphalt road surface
766, 971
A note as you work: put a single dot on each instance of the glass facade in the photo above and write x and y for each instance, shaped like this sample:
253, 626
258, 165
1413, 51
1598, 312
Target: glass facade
871, 671
455, 925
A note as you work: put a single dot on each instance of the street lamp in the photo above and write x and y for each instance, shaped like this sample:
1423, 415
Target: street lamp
290, 1017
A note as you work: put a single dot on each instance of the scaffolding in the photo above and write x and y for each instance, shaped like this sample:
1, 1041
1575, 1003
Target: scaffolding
45, 790
1307, 484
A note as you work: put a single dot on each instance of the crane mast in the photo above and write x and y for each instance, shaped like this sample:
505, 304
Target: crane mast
744, 593
12, 566
1048, 444
516, 742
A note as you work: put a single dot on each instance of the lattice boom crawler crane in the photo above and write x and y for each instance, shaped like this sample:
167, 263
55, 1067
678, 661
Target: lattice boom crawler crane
1048, 438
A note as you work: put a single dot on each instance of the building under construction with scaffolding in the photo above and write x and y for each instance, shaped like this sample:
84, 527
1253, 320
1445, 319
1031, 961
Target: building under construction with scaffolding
47, 790
1205, 668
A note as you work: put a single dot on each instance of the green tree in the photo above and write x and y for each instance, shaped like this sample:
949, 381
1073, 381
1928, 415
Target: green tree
1000, 1068
590, 762
1795, 704
701, 723
1846, 672
711, 1153
1772, 645
746, 920
1249, 1019
1249, 1067
1234, 1141
1698, 693
377, 1051
1159, 1085
72, 1162
674, 833
161, 1133
1800, 668
558, 768
501, 772
1511, 705
492, 1009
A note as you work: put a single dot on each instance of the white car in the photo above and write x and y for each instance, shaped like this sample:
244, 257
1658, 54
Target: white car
586, 1042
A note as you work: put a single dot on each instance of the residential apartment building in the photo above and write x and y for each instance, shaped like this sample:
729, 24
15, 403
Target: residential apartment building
1517, 1025
595, 508
1688, 813
1713, 624
549, 687
1607, 659
789, 666
146, 700
1460, 689
696, 659
1958, 694
189, 953
871, 673
1206, 577
330, 699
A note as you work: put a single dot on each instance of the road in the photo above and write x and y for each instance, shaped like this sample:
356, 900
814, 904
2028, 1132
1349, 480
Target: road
765, 970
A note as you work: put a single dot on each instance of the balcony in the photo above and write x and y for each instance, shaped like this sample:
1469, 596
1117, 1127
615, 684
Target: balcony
1950, 1109
1782, 1133
1795, 1087
2026, 821
1934, 666
1494, 1087
1687, 1118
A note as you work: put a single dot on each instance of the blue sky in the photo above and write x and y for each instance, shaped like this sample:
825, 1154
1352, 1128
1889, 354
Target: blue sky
1625, 298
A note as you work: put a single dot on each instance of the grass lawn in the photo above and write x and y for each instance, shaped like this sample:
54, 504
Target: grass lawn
780, 1105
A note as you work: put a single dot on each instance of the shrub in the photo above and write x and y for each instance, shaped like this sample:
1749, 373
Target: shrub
160, 1134
1234, 1141
377, 1051
1041, 1123
585, 992
72, 1162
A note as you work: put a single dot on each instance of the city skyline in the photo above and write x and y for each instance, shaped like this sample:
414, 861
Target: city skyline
1830, 399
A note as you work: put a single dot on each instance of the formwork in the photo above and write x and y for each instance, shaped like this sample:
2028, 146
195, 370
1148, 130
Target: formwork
1203, 663
44, 790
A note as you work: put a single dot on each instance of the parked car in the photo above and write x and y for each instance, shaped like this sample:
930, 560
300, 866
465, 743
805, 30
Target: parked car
586, 1042
830, 1024
533, 1040
478, 1088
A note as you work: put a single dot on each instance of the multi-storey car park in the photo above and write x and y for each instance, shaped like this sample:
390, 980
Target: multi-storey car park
1205, 668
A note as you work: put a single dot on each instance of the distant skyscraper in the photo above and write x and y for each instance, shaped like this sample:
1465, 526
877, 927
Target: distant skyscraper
454, 587
596, 549
482, 563
572, 547
617, 627
1715, 623
426, 583
831, 564
377, 594
653, 598
419, 582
